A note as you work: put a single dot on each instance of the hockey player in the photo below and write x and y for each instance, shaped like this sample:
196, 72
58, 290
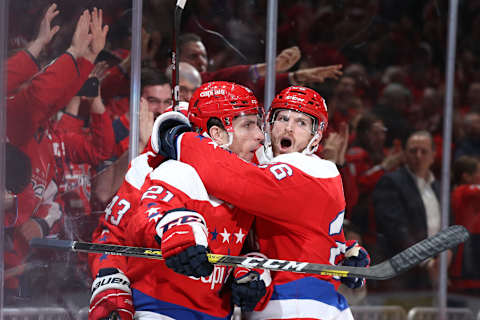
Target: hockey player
297, 198
226, 115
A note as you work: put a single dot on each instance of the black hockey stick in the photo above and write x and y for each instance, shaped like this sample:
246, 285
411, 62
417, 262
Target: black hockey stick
175, 71
408, 258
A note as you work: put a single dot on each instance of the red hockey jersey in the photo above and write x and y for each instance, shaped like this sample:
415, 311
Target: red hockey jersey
160, 290
299, 204
464, 273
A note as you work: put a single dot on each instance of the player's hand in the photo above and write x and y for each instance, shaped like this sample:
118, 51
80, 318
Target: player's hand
355, 256
249, 286
111, 296
167, 127
183, 235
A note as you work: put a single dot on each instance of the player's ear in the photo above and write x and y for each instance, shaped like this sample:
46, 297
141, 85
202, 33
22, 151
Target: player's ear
219, 135
317, 139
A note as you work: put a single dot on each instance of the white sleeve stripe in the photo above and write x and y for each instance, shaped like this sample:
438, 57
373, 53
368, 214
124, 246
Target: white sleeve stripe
138, 171
182, 177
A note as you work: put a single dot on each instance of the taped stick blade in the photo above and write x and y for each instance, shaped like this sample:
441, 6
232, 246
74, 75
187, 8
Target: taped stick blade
430, 247
51, 243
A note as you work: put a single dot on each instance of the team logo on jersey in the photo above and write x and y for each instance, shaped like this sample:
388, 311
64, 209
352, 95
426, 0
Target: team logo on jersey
218, 276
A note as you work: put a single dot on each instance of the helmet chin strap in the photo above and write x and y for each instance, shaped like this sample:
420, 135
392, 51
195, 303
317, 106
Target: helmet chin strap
309, 150
229, 143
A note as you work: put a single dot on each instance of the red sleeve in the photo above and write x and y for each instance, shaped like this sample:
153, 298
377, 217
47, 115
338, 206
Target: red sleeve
93, 148
20, 68
112, 227
84, 67
47, 93
69, 122
272, 192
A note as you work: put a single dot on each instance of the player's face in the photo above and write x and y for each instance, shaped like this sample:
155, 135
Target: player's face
291, 132
419, 154
194, 52
247, 136
158, 97
186, 90
377, 135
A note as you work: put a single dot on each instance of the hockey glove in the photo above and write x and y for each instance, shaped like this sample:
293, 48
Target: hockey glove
183, 235
355, 256
111, 295
249, 286
167, 127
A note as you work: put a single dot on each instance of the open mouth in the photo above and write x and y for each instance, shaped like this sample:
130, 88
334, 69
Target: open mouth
286, 143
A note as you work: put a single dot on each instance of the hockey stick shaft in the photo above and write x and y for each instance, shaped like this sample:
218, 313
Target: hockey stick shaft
175, 63
410, 257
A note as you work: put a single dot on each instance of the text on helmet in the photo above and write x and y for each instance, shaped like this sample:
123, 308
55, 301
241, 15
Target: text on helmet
211, 93
295, 98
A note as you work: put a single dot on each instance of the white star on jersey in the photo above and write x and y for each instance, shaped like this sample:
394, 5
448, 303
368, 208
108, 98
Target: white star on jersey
152, 211
214, 144
225, 235
239, 236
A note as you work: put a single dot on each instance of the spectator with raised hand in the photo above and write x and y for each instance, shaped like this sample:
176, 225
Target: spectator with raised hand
29, 112
193, 51
23, 65
53, 88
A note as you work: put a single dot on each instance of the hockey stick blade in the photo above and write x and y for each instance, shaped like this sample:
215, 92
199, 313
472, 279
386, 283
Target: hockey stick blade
407, 259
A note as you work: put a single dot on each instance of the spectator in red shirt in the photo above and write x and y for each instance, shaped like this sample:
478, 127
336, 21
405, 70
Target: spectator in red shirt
464, 272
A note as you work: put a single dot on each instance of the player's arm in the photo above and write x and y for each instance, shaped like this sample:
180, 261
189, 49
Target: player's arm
111, 286
36, 103
250, 187
20, 67
165, 220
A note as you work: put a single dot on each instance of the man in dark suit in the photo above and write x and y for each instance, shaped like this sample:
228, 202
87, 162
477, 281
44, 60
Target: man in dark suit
407, 208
